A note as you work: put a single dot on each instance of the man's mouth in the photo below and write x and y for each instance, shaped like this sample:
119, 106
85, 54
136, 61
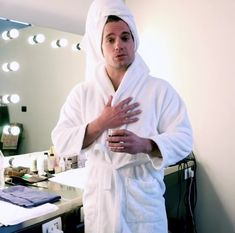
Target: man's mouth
120, 55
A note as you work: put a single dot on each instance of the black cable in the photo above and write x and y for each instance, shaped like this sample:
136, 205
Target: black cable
188, 194
194, 189
195, 180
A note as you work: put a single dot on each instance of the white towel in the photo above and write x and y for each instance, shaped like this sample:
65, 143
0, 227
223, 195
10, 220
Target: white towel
12, 214
91, 42
74, 178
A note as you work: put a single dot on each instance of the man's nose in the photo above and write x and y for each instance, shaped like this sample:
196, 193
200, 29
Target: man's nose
118, 45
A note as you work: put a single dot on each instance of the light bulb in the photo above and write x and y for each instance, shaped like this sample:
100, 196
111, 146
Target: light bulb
6, 129
15, 130
5, 67
59, 43
62, 42
5, 99
14, 98
4, 36
13, 33
76, 47
30, 40
53, 44
39, 38
14, 66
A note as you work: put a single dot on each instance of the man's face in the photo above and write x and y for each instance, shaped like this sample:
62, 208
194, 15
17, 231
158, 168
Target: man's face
117, 45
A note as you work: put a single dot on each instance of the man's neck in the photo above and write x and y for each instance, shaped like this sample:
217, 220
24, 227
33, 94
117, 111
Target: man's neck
116, 77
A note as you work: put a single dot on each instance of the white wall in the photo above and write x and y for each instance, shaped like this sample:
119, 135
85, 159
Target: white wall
57, 14
45, 77
192, 44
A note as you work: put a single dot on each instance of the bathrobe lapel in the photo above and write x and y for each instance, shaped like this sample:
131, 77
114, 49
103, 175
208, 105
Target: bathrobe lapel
131, 83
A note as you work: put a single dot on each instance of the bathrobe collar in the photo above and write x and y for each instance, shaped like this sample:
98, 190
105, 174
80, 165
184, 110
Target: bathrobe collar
134, 77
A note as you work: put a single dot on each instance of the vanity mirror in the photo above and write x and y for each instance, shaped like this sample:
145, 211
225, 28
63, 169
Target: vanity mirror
49, 65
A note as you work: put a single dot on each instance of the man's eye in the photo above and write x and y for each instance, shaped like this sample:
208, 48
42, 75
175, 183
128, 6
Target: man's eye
125, 38
110, 40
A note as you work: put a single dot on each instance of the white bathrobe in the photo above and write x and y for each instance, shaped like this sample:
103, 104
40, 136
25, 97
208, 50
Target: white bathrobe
124, 192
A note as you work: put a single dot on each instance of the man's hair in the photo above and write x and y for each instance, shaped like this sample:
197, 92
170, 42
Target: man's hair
114, 18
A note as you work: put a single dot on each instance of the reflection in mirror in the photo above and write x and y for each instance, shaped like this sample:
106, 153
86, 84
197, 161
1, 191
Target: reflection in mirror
44, 77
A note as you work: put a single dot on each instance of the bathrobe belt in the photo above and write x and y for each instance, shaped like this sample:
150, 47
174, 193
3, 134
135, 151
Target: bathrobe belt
111, 169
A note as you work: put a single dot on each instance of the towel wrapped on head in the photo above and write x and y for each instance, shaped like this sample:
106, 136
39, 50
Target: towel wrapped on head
96, 18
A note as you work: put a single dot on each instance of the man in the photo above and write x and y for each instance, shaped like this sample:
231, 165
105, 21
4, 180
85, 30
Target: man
130, 125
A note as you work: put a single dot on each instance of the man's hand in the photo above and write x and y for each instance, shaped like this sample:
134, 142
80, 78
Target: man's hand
118, 115
125, 141
111, 117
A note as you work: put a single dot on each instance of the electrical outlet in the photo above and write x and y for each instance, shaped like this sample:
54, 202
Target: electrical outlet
54, 225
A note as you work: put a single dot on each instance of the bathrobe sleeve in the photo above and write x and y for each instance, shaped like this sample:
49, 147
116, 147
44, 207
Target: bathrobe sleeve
174, 132
68, 134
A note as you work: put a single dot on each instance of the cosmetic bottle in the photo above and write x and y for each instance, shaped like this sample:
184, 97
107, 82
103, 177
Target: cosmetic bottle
51, 163
62, 164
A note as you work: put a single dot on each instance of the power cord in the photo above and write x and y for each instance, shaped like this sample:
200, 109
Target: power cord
188, 194
190, 198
